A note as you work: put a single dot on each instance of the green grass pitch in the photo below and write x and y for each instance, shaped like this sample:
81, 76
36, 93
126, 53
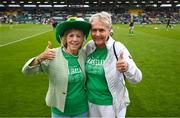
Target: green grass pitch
156, 51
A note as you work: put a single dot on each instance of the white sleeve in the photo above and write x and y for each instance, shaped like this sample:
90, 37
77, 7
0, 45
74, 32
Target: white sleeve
27, 69
133, 74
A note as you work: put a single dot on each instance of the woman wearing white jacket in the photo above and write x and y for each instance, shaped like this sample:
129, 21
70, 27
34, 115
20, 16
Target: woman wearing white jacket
108, 62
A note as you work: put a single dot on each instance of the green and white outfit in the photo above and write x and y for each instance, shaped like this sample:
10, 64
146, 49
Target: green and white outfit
107, 93
98, 92
66, 93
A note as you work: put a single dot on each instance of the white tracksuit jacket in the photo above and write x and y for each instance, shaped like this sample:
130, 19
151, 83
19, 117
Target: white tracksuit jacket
114, 78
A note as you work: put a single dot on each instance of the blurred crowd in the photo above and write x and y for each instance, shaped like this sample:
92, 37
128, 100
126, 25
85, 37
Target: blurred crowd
153, 17
148, 17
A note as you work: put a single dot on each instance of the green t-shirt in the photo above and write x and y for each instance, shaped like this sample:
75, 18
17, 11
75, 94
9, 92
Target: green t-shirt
76, 100
98, 92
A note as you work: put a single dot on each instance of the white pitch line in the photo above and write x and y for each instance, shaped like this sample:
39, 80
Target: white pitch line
22, 39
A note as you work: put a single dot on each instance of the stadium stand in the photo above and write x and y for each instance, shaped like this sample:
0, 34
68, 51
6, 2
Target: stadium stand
41, 12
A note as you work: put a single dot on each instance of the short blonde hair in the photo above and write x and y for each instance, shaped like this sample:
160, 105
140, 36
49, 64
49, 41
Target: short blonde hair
103, 17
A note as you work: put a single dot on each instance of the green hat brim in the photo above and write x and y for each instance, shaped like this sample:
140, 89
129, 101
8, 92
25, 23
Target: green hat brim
67, 25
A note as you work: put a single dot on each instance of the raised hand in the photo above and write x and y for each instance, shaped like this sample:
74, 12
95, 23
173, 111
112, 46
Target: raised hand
49, 46
48, 54
121, 64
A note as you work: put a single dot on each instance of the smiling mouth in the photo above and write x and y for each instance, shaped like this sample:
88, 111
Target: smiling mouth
75, 44
99, 39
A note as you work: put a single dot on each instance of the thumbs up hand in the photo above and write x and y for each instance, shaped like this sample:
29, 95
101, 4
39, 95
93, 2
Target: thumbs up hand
49, 46
48, 54
121, 64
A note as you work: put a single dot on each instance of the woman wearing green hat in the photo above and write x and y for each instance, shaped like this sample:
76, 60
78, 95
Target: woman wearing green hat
65, 66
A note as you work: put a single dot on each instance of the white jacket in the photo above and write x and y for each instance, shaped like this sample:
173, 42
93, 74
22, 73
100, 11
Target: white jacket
114, 78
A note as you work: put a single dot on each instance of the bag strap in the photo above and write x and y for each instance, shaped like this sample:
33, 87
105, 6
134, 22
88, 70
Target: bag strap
117, 56
115, 51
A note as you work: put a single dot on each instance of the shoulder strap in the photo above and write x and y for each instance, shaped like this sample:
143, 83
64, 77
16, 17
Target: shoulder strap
115, 51
116, 56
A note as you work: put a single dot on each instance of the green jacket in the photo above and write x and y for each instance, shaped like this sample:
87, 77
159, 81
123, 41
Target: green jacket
57, 70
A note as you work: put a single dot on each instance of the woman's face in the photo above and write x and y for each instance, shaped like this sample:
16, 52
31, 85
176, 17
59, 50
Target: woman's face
99, 33
74, 40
